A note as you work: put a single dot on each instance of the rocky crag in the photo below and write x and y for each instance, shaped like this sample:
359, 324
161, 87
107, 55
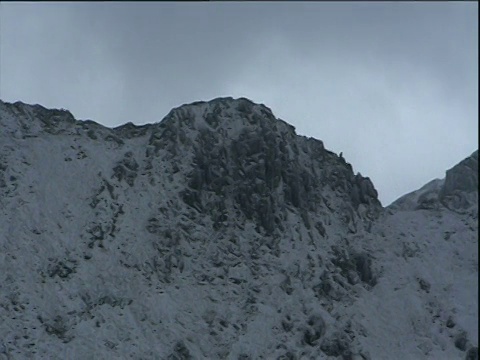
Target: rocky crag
219, 233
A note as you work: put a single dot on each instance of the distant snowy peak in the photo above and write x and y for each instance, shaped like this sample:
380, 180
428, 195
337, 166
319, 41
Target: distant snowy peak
458, 191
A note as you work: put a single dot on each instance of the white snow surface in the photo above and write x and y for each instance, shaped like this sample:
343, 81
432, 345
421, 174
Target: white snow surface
100, 258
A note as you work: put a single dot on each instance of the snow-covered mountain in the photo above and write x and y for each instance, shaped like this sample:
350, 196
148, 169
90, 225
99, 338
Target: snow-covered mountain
218, 233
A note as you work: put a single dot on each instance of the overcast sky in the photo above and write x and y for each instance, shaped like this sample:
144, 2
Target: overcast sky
394, 86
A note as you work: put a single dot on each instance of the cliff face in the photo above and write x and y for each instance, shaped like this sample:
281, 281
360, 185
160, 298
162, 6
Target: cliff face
217, 233
236, 156
458, 191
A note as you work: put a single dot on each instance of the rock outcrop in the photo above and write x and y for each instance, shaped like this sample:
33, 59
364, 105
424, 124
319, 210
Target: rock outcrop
458, 191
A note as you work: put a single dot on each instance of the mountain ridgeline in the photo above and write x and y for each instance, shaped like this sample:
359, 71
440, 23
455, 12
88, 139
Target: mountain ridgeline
219, 233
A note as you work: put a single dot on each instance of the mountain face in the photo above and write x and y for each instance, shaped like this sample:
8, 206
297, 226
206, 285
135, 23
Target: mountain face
218, 233
458, 191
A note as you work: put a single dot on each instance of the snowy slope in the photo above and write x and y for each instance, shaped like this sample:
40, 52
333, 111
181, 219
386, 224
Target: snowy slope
218, 233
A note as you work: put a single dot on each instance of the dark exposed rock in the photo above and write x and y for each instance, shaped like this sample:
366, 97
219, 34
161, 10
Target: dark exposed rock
424, 285
363, 191
428, 201
97, 232
326, 289
61, 269
286, 286
472, 353
461, 181
126, 169
130, 130
462, 177
153, 226
180, 352
337, 345
287, 356
354, 267
91, 134
118, 141
314, 331
287, 324
58, 326
450, 323
461, 341
113, 301
129, 161
192, 198
363, 265
52, 118
120, 172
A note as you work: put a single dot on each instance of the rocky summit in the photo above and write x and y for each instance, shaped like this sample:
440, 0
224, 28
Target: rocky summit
219, 233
